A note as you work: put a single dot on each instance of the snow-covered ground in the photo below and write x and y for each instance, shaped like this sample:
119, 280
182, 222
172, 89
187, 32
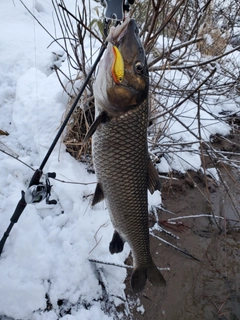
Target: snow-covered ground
46, 255
48, 249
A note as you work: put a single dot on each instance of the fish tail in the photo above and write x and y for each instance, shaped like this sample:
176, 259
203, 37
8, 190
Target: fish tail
140, 276
155, 276
138, 280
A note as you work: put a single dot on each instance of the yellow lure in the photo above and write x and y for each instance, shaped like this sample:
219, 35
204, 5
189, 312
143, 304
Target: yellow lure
117, 66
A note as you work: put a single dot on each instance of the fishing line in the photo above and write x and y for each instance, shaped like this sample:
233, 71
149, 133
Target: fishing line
59, 180
16, 158
41, 25
36, 76
37, 190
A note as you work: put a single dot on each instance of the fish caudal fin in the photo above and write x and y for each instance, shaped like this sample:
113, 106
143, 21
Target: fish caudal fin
155, 276
140, 276
138, 280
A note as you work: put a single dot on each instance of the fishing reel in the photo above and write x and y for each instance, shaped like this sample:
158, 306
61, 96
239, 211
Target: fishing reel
40, 190
115, 8
36, 192
115, 11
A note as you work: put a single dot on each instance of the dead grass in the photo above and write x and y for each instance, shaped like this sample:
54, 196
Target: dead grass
214, 40
77, 128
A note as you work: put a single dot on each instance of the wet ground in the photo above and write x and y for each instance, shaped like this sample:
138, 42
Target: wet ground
204, 289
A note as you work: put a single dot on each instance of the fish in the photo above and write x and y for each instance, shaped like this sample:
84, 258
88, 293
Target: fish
120, 151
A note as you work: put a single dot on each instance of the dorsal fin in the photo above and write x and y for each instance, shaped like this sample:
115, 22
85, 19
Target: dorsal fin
154, 182
98, 194
101, 118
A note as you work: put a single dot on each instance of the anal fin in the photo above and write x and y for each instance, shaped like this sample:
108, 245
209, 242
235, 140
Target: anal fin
117, 243
154, 182
98, 195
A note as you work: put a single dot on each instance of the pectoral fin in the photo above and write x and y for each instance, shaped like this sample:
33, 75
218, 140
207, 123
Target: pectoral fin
153, 178
101, 118
98, 195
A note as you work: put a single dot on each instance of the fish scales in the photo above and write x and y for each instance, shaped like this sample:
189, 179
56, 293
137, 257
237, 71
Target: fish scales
121, 162
120, 152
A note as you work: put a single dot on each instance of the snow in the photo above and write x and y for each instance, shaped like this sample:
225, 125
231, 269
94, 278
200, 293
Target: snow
48, 249
47, 252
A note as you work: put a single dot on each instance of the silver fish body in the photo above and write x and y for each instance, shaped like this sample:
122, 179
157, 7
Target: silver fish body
120, 153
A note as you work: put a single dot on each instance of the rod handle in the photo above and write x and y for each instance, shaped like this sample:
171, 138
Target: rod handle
19, 209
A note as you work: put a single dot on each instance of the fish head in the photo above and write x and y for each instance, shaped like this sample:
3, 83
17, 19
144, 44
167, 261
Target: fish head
122, 82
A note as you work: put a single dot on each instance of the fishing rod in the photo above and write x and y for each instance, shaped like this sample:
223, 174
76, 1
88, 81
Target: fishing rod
38, 191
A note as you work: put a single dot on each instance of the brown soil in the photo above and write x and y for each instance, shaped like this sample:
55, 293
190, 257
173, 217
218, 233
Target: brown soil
205, 289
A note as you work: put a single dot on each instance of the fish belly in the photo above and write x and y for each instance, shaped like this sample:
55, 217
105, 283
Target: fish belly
120, 156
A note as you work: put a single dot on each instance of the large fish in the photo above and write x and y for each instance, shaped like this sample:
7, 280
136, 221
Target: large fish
120, 152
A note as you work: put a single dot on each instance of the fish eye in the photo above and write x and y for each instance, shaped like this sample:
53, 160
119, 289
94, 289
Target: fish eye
139, 67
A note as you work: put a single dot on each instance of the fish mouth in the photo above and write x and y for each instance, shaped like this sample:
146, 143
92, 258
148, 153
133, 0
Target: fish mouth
116, 34
123, 84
